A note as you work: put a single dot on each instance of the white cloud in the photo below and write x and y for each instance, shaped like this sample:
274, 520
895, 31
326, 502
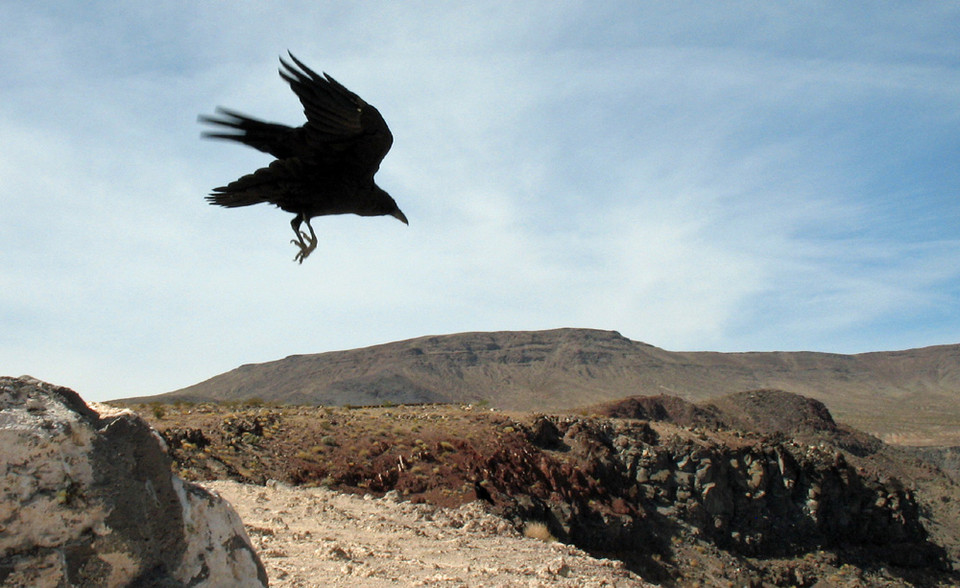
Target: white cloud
667, 172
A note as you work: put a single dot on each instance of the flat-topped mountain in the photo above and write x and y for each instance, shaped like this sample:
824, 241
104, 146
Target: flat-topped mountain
910, 397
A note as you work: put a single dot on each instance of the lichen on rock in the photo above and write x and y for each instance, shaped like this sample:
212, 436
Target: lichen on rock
89, 498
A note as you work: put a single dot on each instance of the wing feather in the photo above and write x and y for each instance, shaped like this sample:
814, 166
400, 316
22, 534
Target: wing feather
272, 138
267, 184
338, 121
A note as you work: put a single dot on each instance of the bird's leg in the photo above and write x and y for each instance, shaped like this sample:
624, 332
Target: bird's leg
306, 243
295, 223
313, 236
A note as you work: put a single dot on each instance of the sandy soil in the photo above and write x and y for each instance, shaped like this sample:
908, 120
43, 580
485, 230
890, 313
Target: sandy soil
317, 537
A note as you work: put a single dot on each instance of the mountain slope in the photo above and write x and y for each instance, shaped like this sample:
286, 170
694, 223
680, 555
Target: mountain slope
911, 397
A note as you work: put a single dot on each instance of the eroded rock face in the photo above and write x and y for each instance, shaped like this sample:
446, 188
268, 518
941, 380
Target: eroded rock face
88, 498
617, 487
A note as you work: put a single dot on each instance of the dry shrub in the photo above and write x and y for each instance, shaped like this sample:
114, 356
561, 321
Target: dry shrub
538, 530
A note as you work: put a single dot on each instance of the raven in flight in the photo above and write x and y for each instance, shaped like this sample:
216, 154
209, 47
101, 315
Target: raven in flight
324, 167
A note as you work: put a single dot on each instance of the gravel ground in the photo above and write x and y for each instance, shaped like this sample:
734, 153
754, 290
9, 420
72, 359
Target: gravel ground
317, 537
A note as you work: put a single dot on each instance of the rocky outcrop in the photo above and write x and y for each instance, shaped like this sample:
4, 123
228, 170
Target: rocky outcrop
777, 499
660, 408
750, 508
617, 486
87, 498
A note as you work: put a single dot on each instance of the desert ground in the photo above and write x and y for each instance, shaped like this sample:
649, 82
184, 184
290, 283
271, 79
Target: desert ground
309, 537
400, 495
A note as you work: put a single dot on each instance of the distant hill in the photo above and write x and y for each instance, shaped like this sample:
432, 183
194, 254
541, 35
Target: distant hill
762, 411
908, 397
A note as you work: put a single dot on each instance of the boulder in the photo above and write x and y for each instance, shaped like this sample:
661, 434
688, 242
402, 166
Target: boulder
88, 498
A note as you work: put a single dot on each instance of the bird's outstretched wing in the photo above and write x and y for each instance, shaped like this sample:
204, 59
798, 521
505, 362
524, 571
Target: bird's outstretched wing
340, 125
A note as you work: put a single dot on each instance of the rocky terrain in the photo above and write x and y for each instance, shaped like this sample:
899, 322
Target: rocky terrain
905, 397
755, 488
310, 537
88, 498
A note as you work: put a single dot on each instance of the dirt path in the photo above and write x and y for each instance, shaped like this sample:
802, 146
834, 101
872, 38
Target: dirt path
310, 537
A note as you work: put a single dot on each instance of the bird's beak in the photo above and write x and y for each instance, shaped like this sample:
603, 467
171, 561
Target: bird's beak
400, 217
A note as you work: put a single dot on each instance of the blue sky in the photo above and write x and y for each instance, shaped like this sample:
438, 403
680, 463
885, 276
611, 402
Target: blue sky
762, 176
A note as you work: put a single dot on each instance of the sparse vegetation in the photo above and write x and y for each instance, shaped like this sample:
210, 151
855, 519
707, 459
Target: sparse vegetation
587, 366
450, 455
538, 530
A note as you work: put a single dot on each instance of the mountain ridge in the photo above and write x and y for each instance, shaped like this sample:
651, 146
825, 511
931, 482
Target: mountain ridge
909, 397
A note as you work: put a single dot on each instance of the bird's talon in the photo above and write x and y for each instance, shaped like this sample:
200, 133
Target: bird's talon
305, 249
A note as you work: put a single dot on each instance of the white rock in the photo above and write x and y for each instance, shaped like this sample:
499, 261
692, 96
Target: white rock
88, 498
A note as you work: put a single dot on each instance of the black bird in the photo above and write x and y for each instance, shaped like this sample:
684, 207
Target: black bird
324, 167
